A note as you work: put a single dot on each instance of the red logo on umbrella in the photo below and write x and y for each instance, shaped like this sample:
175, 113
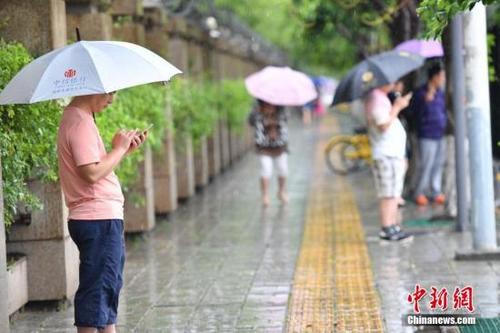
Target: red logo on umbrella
70, 73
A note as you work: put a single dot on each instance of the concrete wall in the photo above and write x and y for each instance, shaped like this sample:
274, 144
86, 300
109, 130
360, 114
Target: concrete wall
38, 24
201, 163
165, 173
92, 26
185, 166
140, 216
52, 256
213, 147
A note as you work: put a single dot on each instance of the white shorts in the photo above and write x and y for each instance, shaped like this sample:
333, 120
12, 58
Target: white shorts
266, 165
389, 175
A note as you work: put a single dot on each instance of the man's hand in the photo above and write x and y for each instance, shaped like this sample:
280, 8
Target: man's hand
138, 139
402, 102
122, 140
399, 104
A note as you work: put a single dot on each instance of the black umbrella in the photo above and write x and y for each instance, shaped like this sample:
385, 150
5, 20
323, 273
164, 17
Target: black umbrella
375, 71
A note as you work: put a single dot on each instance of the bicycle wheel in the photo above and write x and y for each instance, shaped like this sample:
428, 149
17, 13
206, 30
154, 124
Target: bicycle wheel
351, 159
333, 156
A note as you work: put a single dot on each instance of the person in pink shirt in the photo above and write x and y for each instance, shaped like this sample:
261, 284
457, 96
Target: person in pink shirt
95, 201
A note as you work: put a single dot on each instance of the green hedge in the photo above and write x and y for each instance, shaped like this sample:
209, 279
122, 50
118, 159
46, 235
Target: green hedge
197, 106
234, 103
194, 107
27, 137
134, 108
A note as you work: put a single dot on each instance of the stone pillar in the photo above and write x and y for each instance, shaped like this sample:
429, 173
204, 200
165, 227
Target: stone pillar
51, 254
156, 30
127, 7
233, 146
185, 166
224, 144
40, 25
165, 181
129, 32
201, 162
93, 23
195, 60
125, 28
177, 45
213, 147
139, 201
215, 64
4, 312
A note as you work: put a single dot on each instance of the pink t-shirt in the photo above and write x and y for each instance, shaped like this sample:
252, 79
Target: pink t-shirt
79, 143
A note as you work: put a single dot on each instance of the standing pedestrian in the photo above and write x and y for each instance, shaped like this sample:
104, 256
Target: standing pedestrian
95, 201
396, 92
271, 142
388, 142
429, 109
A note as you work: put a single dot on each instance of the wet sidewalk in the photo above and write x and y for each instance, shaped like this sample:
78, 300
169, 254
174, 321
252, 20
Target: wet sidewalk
222, 263
428, 261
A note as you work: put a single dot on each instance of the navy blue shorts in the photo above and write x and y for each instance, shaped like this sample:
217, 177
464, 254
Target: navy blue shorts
102, 255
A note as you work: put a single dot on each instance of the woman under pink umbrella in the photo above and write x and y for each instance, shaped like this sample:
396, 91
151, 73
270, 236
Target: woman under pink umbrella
274, 88
271, 143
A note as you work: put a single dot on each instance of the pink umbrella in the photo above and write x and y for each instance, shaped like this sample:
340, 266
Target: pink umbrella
281, 86
425, 48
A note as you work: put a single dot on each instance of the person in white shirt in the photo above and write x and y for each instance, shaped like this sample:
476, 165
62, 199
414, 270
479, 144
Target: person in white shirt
388, 143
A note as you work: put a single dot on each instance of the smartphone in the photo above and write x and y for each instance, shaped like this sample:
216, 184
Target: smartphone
147, 128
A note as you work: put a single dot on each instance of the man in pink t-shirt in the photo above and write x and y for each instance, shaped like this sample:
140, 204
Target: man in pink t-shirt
95, 201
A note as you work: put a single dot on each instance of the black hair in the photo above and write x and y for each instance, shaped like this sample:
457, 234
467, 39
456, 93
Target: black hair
434, 70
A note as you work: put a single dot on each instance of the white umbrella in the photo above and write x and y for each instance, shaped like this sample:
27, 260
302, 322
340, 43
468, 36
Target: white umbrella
86, 68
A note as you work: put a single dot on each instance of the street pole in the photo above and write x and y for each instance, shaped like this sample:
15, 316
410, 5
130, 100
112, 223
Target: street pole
4, 311
458, 94
479, 130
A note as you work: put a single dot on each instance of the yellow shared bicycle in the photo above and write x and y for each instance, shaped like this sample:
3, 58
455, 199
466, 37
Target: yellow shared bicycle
348, 153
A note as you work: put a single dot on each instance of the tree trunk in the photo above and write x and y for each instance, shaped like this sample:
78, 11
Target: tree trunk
405, 23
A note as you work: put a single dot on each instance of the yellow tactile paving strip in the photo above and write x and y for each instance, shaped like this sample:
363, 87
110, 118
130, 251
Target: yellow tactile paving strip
333, 287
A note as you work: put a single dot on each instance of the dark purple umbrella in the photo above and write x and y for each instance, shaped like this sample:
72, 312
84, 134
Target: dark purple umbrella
425, 48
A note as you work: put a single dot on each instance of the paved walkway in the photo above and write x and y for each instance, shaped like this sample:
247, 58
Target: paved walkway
428, 260
333, 289
222, 263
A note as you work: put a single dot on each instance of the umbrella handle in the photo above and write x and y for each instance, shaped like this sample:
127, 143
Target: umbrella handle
78, 34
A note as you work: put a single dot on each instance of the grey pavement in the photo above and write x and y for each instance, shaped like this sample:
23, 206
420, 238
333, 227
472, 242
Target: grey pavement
428, 260
221, 263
